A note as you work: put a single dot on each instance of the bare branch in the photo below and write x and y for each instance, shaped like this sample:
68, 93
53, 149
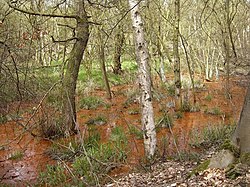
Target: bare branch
43, 14
63, 41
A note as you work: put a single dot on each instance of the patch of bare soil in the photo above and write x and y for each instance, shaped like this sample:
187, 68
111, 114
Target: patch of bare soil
21, 155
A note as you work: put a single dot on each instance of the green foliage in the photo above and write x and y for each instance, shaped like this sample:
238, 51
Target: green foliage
228, 145
118, 135
3, 119
186, 106
132, 97
129, 66
171, 90
213, 111
195, 108
209, 97
179, 115
54, 98
245, 158
237, 169
211, 135
138, 133
201, 167
91, 102
17, 155
90, 160
53, 176
187, 156
166, 120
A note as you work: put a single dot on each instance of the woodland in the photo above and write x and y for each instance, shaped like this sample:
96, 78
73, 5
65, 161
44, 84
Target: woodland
105, 92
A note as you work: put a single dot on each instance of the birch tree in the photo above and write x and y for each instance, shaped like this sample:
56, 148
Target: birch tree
142, 58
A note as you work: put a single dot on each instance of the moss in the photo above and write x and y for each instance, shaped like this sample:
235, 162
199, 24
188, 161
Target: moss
227, 145
235, 170
245, 158
201, 167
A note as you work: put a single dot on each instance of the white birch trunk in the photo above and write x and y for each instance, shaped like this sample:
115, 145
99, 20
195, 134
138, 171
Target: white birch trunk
142, 56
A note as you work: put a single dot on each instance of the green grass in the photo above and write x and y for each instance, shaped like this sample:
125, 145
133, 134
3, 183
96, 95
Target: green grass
92, 102
209, 97
129, 66
187, 156
211, 135
166, 120
213, 111
178, 114
17, 155
171, 90
186, 106
137, 132
3, 119
91, 161
118, 135
53, 176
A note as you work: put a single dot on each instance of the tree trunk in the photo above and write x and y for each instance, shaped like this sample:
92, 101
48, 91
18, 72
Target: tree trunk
227, 49
142, 56
72, 69
119, 40
177, 74
101, 51
241, 136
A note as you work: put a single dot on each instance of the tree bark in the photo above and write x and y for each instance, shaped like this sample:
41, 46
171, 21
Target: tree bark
177, 74
101, 51
241, 136
72, 69
141, 48
119, 40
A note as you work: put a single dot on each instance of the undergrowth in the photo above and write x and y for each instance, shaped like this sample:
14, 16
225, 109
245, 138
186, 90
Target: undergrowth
92, 102
211, 135
90, 159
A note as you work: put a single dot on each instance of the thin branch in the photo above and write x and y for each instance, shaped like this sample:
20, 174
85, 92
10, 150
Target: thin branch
43, 14
65, 25
63, 41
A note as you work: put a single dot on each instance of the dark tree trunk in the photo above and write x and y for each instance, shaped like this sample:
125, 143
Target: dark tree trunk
72, 69
177, 73
119, 40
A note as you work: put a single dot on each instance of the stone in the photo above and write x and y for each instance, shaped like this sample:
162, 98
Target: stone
222, 159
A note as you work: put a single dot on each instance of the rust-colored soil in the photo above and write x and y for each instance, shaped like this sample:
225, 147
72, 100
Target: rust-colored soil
26, 169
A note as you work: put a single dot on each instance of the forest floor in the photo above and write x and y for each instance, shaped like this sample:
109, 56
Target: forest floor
23, 156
